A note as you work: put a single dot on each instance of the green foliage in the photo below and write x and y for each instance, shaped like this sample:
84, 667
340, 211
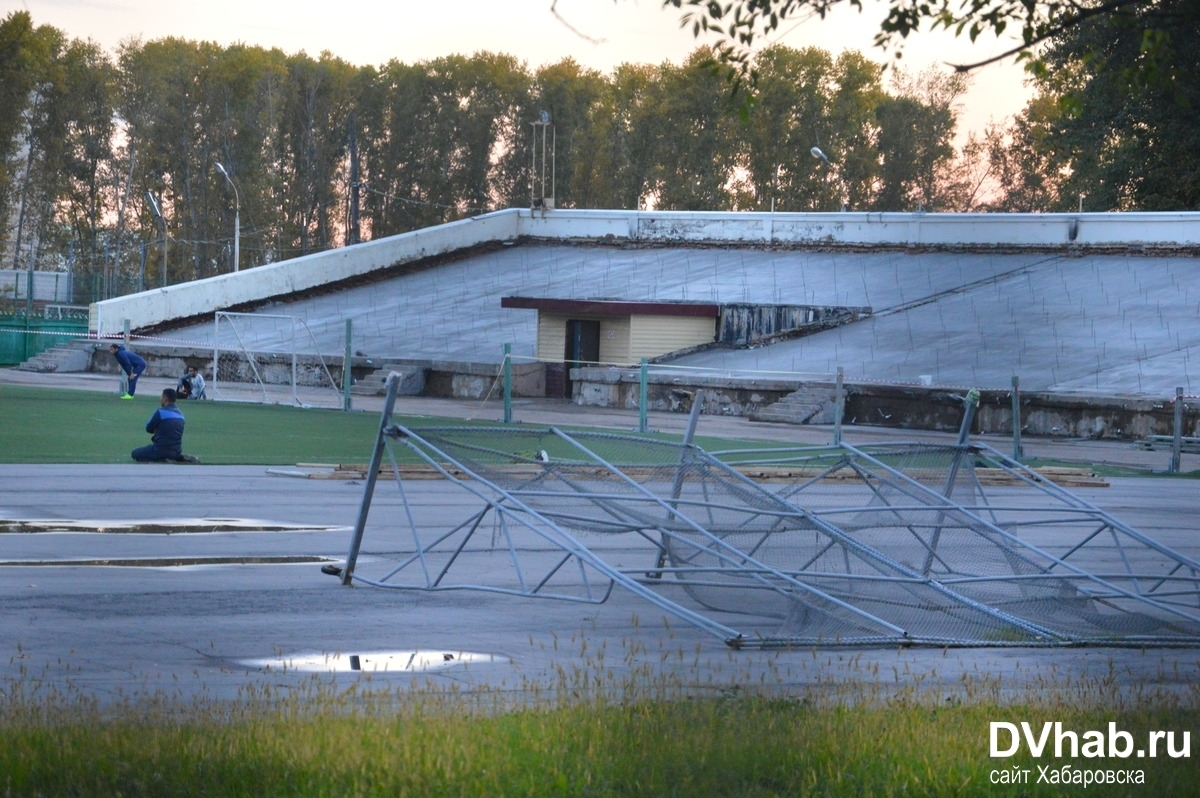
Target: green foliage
1116, 117
737, 24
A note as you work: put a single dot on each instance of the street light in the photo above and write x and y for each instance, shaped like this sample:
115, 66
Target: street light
820, 156
158, 215
237, 217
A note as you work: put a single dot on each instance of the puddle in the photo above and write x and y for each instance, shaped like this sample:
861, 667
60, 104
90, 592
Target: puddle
177, 526
174, 562
376, 661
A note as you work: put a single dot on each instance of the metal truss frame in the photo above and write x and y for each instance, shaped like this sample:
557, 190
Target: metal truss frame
867, 545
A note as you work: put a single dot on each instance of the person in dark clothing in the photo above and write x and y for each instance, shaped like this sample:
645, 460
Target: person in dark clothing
191, 385
131, 364
166, 425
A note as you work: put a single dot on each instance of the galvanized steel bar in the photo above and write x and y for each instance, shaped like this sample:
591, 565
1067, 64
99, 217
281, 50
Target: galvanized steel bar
360, 524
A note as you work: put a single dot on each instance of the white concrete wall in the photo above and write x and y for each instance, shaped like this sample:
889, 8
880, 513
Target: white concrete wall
202, 297
880, 229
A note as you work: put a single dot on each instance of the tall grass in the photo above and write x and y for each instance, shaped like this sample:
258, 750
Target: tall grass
592, 731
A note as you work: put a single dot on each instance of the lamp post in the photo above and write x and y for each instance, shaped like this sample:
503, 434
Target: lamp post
821, 156
237, 217
158, 215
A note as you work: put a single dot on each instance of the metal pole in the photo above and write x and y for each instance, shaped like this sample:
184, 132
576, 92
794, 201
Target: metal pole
237, 231
29, 285
360, 525
643, 395
677, 489
295, 388
216, 352
508, 383
1177, 442
237, 216
1016, 417
124, 377
347, 369
839, 409
971, 404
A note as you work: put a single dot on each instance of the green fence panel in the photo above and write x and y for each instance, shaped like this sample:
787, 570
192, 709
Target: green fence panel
21, 338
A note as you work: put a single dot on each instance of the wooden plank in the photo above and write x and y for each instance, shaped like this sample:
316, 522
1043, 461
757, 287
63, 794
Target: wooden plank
992, 477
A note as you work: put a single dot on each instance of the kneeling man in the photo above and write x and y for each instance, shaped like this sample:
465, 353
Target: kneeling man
166, 425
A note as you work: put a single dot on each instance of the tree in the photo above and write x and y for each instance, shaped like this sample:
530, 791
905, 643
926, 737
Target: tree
916, 134
79, 156
312, 132
792, 114
695, 138
28, 65
1116, 121
1023, 163
618, 152
568, 92
737, 24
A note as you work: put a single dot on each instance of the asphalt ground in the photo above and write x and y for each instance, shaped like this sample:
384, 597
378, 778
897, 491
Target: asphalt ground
199, 581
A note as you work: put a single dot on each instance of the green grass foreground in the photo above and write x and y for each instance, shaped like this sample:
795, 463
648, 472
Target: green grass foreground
322, 742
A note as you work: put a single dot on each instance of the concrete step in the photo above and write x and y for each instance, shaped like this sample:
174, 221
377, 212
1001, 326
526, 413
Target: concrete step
412, 381
60, 359
811, 404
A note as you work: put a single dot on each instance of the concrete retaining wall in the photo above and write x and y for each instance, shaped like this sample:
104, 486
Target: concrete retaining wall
439, 378
897, 406
900, 406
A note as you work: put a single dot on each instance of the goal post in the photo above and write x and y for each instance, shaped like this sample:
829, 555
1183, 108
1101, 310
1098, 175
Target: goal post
269, 358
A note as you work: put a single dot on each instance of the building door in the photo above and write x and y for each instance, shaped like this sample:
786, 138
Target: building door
583, 347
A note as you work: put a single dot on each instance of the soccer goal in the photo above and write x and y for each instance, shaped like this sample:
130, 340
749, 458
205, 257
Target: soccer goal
273, 359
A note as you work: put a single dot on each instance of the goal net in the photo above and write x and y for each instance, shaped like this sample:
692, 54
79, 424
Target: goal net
272, 359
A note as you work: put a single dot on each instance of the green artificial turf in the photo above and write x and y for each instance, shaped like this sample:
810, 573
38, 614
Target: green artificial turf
43, 425
40, 425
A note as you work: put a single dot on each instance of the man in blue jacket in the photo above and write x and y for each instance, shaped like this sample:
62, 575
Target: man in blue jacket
131, 364
166, 425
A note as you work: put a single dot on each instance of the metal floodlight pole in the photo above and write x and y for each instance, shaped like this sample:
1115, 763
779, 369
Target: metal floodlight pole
538, 196
158, 213
237, 217
1177, 437
821, 156
544, 124
508, 383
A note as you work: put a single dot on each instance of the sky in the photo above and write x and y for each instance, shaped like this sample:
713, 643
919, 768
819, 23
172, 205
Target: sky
597, 33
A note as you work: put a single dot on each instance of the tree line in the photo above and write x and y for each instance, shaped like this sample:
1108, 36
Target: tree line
102, 155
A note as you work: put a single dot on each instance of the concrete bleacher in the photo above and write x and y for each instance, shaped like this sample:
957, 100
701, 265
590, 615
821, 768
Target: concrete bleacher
1104, 304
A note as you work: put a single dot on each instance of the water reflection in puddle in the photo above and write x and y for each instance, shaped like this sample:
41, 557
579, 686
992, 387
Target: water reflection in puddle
375, 662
